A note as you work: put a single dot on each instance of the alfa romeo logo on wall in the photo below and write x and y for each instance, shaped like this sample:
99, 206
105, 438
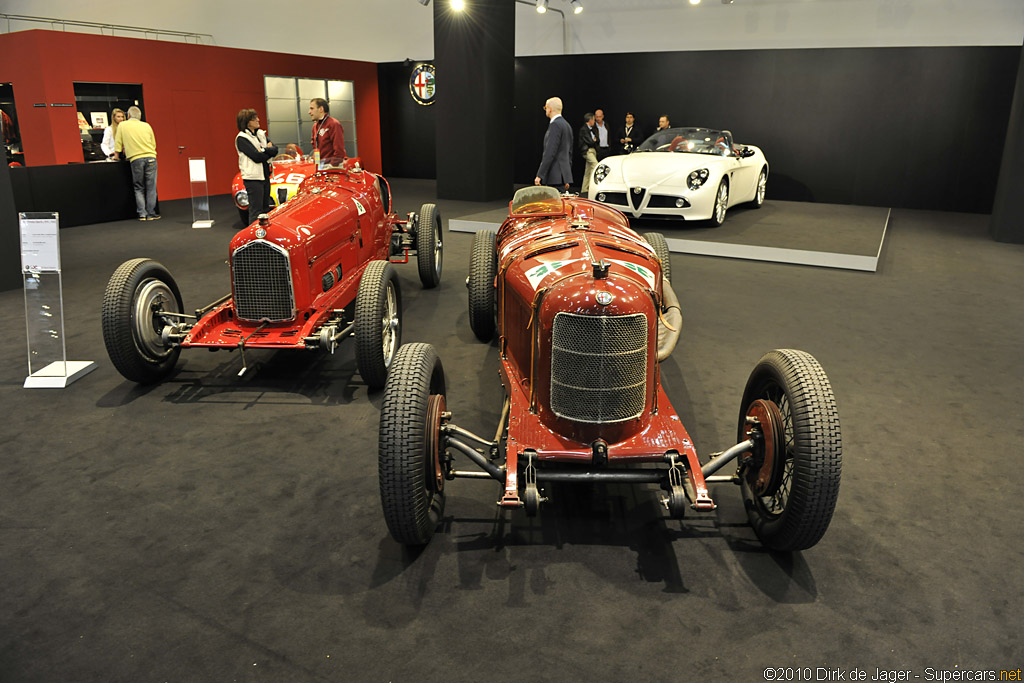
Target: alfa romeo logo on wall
421, 84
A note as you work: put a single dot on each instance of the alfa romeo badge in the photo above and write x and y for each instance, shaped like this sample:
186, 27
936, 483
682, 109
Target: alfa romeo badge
261, 233
421, 84
604, 298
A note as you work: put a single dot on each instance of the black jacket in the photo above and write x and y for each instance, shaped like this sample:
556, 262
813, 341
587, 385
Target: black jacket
586, 139
556, 165
636, 135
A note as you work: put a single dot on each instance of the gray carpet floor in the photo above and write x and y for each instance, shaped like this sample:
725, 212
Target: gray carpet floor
216, 528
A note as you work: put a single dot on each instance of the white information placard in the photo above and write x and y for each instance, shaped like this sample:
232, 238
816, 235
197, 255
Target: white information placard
197, 170
40, 247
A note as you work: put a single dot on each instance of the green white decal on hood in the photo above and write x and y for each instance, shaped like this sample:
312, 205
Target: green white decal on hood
639, 270
538, 273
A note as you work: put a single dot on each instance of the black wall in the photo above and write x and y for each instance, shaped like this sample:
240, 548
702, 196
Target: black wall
408, 131
901, 127
1006, 225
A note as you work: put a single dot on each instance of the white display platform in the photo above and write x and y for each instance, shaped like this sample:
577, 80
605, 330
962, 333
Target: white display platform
800, 233
59, 374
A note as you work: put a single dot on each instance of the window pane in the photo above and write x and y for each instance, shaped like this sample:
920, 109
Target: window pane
339, 90
282, 110
310, 89
306, 131
342, 110
283, 132
279, 87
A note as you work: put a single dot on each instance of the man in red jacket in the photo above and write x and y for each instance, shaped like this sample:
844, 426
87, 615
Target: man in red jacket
328, 135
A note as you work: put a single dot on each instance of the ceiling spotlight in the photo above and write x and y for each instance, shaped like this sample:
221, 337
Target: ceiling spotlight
542, 6
457, 5
577, 6
694, 2
424, 2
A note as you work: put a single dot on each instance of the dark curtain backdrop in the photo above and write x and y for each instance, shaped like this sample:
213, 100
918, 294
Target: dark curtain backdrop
903, 127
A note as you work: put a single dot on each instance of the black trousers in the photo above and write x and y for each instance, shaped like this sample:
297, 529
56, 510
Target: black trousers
259, 197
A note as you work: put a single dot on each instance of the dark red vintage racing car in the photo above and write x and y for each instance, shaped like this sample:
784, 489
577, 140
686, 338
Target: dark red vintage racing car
585, 313
304, 276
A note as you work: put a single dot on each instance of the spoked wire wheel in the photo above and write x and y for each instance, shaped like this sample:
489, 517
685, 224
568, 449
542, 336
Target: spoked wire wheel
378, 322
790, 482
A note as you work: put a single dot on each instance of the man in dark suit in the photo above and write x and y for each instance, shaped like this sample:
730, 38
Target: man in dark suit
629, 135
556, 164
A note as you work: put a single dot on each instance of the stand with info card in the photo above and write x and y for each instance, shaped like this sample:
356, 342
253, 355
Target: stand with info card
48, 367
200, 197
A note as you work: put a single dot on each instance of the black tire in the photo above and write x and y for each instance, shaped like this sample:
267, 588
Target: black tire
796, 514
412, 501
759, 192
721, 204
378, 322
131, 326
429, 246
660, 246
483, 267
243, 215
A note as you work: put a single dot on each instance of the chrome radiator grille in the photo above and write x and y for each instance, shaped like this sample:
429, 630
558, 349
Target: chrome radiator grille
598, 367
262, 282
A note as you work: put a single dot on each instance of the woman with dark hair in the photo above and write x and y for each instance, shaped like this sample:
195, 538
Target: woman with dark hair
254, 151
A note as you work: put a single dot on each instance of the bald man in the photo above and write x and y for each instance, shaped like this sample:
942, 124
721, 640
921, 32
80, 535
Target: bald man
556, 164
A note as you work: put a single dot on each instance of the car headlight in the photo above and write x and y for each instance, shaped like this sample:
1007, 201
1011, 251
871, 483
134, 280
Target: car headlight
697, 178
242, 198
601, 172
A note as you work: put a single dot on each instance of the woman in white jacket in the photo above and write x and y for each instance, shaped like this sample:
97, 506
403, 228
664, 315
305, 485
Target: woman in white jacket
116, 117
254, 151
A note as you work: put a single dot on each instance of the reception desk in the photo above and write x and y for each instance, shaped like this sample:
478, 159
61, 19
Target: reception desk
81, 193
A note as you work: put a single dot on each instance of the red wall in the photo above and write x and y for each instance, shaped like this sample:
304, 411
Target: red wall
192, 94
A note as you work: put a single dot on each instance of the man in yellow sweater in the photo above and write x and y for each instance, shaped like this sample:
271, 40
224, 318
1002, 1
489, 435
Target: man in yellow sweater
136, 139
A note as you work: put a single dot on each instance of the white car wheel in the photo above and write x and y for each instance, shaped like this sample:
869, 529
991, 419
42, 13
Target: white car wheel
721, 203
762, 183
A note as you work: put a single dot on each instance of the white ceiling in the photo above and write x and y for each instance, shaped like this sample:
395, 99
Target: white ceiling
391, 30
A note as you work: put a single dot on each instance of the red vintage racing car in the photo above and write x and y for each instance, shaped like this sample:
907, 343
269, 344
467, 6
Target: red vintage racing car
304, 276
585, 313
287, 171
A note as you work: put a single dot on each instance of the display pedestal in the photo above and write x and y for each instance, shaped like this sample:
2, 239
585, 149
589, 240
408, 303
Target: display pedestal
200, 197
48, 366
59, 374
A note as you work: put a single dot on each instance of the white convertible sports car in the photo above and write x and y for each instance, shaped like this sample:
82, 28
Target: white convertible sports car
689, 173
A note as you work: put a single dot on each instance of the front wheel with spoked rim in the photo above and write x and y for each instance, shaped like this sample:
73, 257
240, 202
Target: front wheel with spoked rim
790, 482
721, 203
378, 322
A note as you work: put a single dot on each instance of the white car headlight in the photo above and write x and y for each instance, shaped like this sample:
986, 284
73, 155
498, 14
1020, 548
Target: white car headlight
242, 198
697, 178
601, 172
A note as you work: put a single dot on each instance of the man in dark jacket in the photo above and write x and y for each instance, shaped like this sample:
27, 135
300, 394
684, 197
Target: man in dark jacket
556, 164
586, 142
630, 135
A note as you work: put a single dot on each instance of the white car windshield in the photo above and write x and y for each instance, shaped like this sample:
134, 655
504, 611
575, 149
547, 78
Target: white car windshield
690, 140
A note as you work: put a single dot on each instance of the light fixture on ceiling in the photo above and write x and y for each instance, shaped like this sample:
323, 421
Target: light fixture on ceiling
694, 2
424, 2
542, 6
457, 5
727, 2
577, 6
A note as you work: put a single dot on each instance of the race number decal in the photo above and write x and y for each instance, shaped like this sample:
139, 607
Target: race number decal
639, 270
